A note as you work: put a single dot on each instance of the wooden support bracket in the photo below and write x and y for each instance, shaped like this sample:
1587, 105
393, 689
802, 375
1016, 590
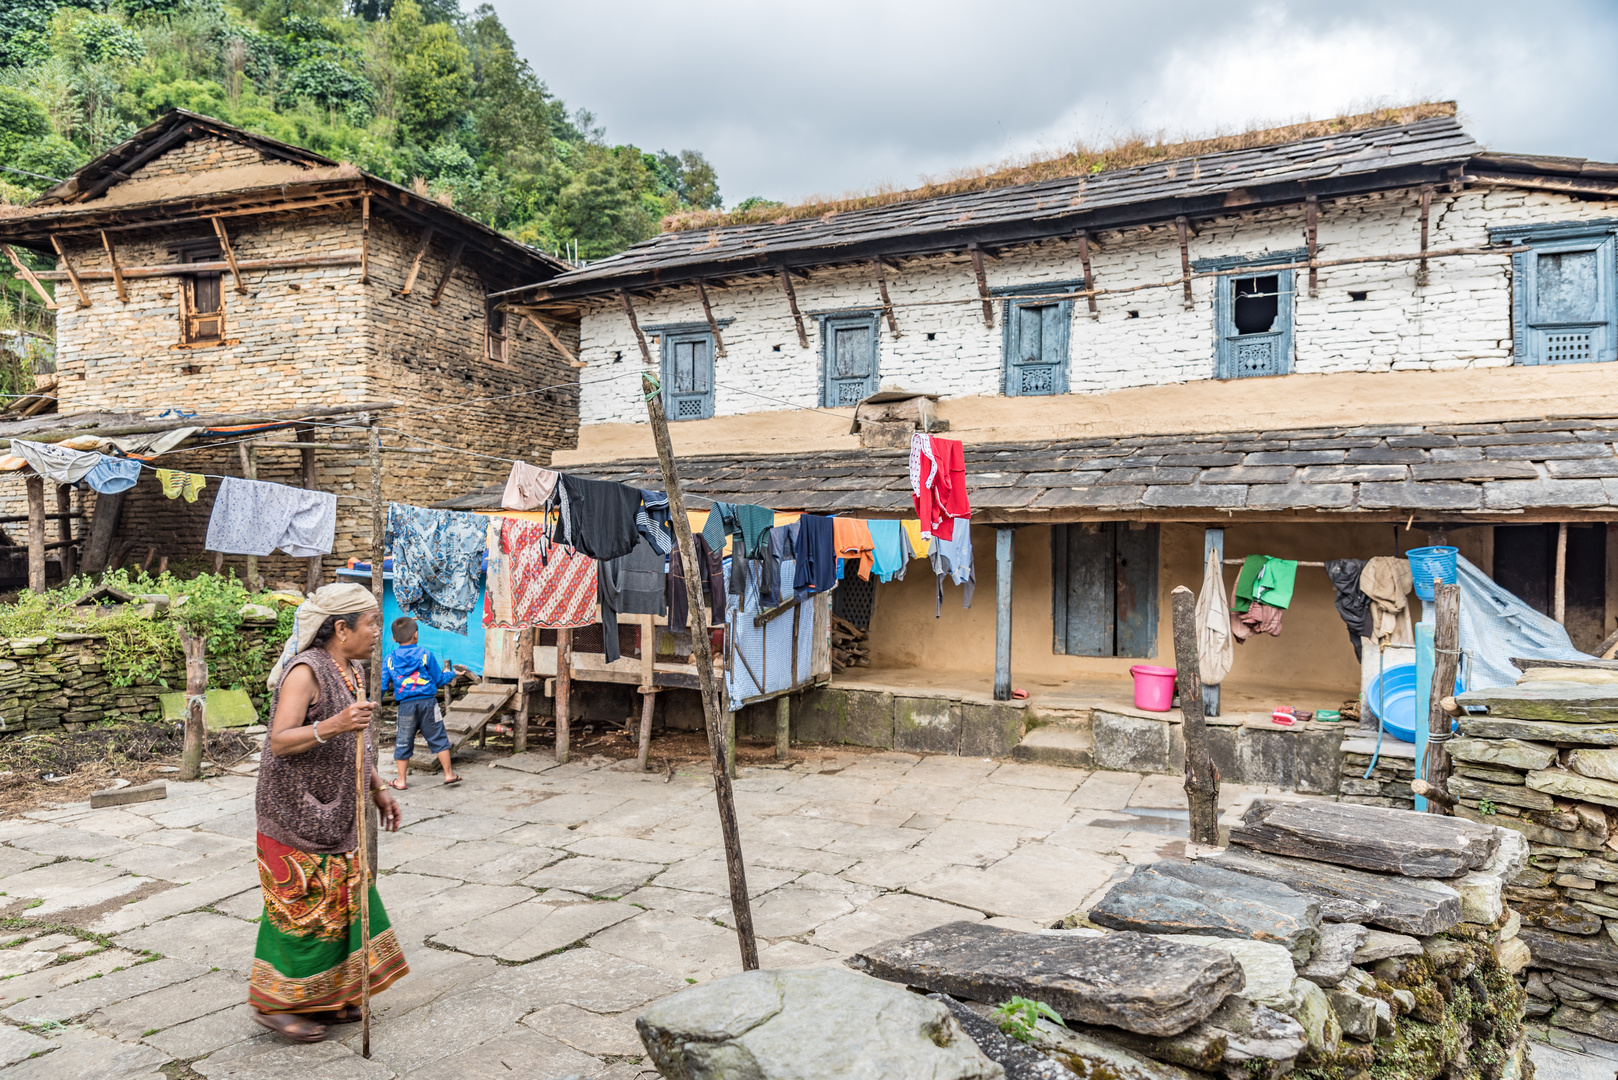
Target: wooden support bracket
634, 324
983, 284
365, 239
1426, 210
449, 268
792, 302
117, 271
72, 273
1183, 227
1089, 278
707, 311
230, 254
28, 276
1311, 214
556, 342
887, 302
415, 264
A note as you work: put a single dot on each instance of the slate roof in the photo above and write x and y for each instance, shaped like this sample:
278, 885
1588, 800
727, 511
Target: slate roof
1374, 159
1483, 468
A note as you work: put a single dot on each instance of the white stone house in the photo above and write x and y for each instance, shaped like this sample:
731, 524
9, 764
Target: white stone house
1338, 346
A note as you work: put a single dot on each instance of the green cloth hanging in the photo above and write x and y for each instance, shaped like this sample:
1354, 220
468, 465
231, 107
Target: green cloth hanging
1275, 582
1245, 582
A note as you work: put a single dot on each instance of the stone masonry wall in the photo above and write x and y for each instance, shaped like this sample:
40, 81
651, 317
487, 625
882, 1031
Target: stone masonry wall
1461, 318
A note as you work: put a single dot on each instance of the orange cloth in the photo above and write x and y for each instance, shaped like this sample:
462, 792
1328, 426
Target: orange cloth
853, 540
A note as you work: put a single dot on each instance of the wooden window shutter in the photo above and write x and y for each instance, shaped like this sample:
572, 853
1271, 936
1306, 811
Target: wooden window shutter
1565, 302
688, 375
1036, 347
1104, 596
1241, 351
849, 358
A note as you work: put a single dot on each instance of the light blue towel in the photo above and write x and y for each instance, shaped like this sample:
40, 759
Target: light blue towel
890, 550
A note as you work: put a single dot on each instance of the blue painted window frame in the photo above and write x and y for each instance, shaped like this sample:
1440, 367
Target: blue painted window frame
1011, 343
1227, 342
1538, 338
694, 404
832, 388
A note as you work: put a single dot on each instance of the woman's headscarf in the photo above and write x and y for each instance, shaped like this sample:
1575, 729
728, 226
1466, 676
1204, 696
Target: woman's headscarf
344, 598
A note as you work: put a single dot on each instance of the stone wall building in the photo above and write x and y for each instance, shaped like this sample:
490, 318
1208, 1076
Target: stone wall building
321, 287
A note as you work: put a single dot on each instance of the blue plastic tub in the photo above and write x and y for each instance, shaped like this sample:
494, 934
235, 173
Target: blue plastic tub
1430, 566
1392, 699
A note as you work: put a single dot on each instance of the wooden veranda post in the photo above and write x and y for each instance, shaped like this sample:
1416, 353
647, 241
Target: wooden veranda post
1004, 538
525, 684
35, 485
311, 482
374, 676
702, 654
195, 647
250, 472
362, 852
1446, 658
64, 530
1201, 778
564, 691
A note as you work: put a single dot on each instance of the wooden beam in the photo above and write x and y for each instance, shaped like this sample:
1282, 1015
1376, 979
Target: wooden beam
72, 274
1089, 278
249, 458
1560, 595
1311, 216
887, 303
64, 529
1426, 211
28, 276
792, 302
713, 327
634, 324
1004, 537
1182, 227
117, 271
35, 485
562, 705
365, 239
983, 284
219, 267
1213, 542
230, 254
311, 482
449, 268
415, 264
1446, 658
556, 342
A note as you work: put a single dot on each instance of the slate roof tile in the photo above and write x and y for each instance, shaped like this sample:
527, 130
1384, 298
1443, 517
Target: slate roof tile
1300, 496
1541, 451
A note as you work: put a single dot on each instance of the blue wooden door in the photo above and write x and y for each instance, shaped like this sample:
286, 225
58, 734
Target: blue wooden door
848, 348
688, 376
1104, 597
1036, 348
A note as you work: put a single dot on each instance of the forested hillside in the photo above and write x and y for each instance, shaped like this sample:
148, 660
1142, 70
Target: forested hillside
405, 89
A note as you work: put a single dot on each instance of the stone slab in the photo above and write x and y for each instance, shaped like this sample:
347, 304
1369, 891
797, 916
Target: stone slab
1267, 968
83, 998
521, 1052
1563, 918
1349, 895
484, 862
199, 937
135, 793
1367, 837
1597, 952
1512, 753
1573, 786
989, 730
1127, 743
1332, 958
80, 1053
270, 1058
133, 1018
1559, 702
927, 725
1600, 764
589, 1032
1201, 898
1127, 980
223, 709
1529, 798
1490, 727
1020, 1061
533, 929
594, 877
1381, 945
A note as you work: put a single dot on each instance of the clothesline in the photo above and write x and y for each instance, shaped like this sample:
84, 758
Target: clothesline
1238, 562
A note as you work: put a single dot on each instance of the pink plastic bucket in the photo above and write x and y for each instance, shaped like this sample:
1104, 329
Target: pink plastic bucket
1154, 687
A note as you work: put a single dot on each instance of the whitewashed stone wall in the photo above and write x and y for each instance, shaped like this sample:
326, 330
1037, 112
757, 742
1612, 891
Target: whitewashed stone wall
1461, 318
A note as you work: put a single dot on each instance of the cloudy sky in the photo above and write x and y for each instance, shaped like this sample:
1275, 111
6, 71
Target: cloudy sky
790, 101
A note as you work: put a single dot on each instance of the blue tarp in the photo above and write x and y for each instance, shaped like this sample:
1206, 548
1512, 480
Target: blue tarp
1495, 626
463, 649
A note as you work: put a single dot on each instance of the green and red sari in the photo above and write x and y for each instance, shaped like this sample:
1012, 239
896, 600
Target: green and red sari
307, 959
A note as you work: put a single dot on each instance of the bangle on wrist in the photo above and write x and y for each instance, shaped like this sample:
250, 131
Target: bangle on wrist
314, 729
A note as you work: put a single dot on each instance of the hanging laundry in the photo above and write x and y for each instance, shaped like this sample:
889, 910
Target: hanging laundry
816, 550
1260, 618
176, 483
713, 579
938, 483
553, 586
853, 540
1386, 582
1267, 579
437, 556
56, 462
778, 564
654, 521
113, 474
1352, 605
1215, 650
918, 545
632, 585
496, 577
529, 487
890, 550
952, 558
251, 517
598, 516
747, 525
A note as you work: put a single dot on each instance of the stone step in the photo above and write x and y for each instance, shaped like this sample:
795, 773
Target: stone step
1053, 745
1062, 717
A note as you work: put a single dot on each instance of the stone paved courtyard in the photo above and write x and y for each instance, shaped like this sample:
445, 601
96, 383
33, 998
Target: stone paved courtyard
540, 907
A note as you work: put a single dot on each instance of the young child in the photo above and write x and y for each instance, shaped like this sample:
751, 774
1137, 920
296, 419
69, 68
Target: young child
414, 676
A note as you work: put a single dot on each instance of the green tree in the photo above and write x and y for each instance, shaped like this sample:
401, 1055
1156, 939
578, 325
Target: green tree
25, 31
433, 72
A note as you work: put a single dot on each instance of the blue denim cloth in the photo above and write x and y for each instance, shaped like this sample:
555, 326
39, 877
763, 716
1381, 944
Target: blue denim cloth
419, 713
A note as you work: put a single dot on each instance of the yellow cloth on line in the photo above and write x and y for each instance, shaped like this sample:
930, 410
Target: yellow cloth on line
918, 546
176, 483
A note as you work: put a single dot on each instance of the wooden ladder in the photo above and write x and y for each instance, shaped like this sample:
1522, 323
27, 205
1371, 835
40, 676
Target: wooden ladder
466, 718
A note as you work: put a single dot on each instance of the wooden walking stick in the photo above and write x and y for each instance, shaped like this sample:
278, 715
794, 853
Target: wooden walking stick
360, 853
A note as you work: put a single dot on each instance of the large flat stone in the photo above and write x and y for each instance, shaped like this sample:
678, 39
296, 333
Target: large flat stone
1040, 885
1560, 702
81, 1053
484, 862
133, 1018
927, 725
761, 1024
1381, 945
1563, 918
894, 915
270, 1058
1135, 744
1199, 898
1267, 968
18, 1045
1127, 980
1600, 764
1348, 895
1510, 794
990, 730
1367, 837
1512, 753
1332, 958
594, 877
520, 1052
1020, 1061
1573, 786
533, 929
1489, 727
1557, 950
83, 998
1096, 1059
199, 937
588, 1032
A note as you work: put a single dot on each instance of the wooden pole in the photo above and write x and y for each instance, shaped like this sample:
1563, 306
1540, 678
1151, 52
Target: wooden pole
72, 273
648, 689
1089, 278
1213, 540
230, 254
783, 727
564, 690
117, 271
365, 240
1201, 778
361, 854
378, 555
1560, 598
1003, 540
1311, 217
713, 325
702, 654
195, 647
1446, 658
1182, 227
64, 525
525, 686
983, 284
250, 471
311, 482
35, 484
792, 304
28, 276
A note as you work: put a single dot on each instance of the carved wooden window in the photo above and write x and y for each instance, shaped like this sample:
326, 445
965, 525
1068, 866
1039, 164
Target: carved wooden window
496, 342
202, 309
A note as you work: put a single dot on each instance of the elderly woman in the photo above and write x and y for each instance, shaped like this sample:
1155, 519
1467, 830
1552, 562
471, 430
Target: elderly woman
306, 968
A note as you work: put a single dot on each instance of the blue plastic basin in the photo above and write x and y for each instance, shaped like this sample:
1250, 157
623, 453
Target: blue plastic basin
1392, 699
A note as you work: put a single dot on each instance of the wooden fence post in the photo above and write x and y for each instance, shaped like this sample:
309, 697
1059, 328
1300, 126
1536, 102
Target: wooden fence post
35, 485
195, 647
1446, 658
1201, 778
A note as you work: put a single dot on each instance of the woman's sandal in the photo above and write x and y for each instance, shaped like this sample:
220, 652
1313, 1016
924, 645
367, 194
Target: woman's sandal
398, 785
348, 1014
294, 1026
448, 780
